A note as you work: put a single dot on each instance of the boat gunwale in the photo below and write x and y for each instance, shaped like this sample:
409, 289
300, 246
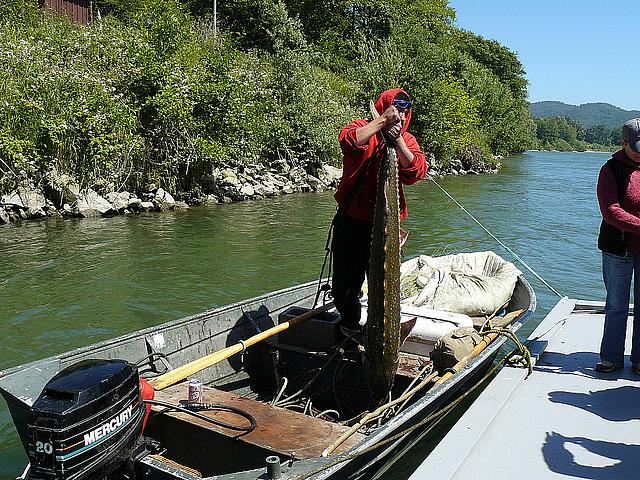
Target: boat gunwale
122, 339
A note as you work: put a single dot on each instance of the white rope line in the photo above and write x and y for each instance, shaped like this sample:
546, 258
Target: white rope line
496, 239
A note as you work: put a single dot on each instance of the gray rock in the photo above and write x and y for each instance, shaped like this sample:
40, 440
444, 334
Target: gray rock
277, 180
266, 189
313, 181
26, 198
330, 175
35, 212
146, 206
163, 200
134, 204
62, 189
181, 206
298, 175
119, 200
281, 165
248, 190
287, 189
4, 216
229, 177
90, 204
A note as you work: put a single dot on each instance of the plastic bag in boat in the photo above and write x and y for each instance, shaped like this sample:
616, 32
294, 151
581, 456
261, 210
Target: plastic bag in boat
475, 284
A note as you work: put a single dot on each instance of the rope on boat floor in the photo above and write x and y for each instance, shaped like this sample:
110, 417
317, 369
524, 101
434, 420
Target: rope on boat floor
515, 255
434, 418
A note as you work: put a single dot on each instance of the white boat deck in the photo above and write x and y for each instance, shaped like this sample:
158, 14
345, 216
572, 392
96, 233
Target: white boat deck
564, 421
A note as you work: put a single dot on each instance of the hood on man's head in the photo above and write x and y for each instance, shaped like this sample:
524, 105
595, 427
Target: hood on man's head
631, 133
384, 102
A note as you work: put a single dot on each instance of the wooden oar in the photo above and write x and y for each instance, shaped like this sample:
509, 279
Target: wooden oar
177, 375
484, 343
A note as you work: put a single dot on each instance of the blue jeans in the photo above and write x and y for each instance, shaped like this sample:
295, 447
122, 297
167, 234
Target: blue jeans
617, 272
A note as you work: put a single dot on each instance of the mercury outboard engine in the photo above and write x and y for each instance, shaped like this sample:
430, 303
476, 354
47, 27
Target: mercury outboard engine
86, 421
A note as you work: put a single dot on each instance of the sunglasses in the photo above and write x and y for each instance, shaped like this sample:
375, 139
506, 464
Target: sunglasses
402, 104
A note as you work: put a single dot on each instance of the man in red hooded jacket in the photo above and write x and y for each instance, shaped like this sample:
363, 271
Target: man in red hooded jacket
363, 148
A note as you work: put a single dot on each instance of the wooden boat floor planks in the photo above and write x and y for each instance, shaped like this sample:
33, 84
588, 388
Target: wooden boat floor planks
286, 432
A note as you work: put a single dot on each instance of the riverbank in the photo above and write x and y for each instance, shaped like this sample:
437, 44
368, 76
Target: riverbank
61, 196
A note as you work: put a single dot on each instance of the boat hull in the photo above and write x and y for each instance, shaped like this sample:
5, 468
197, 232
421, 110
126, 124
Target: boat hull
187, 339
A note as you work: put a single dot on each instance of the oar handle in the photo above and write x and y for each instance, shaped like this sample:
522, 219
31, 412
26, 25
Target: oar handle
178, 374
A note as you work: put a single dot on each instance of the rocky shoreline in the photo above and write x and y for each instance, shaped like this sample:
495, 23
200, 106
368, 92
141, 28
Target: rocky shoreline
60, 196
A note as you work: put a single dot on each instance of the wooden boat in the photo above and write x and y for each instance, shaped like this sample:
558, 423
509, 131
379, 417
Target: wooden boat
303, 389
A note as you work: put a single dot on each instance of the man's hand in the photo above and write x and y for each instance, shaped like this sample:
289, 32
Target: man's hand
391, 117
391, 121
395, 131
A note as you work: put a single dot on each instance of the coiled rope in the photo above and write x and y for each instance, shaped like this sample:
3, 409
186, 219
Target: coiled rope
515, 255
523, 357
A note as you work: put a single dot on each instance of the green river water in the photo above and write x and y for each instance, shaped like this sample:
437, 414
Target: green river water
70, 283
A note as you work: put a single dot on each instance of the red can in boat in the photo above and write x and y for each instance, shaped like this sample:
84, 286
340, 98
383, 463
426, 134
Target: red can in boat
195, 391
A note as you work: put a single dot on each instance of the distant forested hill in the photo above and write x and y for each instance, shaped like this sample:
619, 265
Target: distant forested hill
587, 114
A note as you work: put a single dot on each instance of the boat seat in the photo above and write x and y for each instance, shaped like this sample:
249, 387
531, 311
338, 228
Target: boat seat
282, 431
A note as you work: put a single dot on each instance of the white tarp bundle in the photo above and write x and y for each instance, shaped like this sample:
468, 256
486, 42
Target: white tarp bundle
475, 284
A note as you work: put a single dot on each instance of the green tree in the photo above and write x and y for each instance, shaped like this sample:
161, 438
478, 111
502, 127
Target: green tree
598, 134
497, 58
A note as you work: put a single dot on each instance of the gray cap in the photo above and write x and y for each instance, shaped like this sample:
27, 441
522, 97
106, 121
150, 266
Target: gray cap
631, 133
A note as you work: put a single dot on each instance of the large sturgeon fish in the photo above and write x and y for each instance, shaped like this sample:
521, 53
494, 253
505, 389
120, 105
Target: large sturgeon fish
382, 334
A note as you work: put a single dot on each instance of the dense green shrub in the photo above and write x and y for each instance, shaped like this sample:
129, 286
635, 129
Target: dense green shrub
147, 92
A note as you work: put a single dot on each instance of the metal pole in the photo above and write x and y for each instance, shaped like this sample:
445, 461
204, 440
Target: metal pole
215, 18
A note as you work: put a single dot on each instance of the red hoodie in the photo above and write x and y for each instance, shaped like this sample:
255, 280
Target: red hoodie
362, 204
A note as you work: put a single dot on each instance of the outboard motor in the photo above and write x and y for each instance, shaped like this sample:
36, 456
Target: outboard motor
86, 421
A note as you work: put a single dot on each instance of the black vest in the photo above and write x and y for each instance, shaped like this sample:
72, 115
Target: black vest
611, 239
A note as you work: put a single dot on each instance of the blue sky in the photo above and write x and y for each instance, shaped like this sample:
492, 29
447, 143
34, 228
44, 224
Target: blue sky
572, 51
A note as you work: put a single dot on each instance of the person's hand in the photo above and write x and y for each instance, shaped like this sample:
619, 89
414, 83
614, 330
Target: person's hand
395, 131
391, 117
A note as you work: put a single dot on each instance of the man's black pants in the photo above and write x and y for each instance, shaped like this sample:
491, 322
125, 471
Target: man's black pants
351, 249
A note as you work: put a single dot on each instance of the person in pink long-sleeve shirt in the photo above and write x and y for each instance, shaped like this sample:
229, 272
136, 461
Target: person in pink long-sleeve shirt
619, 239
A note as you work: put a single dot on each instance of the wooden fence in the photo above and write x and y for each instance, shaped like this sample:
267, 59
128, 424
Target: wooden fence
78, 10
